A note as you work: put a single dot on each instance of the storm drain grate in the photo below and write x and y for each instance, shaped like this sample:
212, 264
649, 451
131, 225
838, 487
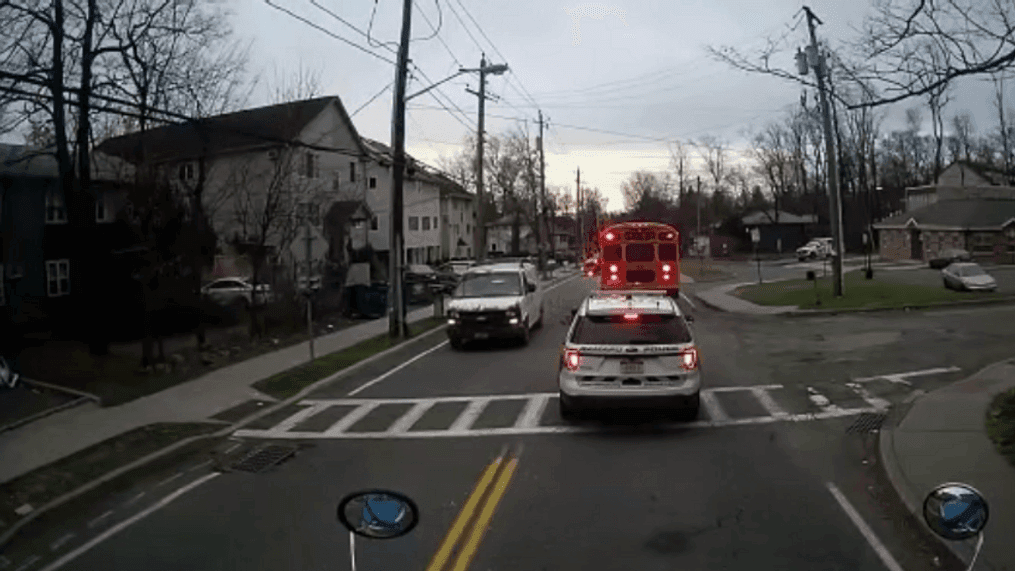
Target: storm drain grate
866, 422
264, 458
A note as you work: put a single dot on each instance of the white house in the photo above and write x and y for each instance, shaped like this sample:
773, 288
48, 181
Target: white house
458, 222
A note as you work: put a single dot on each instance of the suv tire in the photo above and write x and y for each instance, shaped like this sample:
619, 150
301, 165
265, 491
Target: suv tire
456, 343
526, 333
567, 413
693, 409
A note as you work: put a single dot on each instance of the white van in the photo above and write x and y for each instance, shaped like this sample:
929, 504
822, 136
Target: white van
495, 301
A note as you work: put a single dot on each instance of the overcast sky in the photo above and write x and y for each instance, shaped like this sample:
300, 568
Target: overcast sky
636, 69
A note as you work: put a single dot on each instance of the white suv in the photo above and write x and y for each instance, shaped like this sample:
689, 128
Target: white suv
495, 301
629, 349
816, 248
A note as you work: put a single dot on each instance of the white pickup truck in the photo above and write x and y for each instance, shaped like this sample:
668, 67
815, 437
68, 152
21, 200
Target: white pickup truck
818, 248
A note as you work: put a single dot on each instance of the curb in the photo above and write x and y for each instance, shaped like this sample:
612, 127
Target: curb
61, 500
75, 392
887, 456
42, 414
935, 305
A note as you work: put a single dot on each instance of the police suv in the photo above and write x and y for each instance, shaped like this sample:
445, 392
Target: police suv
629, 349
496, 300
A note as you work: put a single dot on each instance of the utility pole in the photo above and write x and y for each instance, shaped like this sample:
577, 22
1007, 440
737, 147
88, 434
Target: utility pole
578, 217
397, 328
697, 237
310, 208
816, 60
484, 70
548, 225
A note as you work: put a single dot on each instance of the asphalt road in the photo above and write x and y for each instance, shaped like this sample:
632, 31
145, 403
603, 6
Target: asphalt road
748, 486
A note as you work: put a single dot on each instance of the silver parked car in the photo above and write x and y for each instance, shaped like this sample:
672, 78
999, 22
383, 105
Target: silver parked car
237, 291
967, 276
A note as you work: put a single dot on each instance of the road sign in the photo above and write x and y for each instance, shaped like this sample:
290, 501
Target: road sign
755, 235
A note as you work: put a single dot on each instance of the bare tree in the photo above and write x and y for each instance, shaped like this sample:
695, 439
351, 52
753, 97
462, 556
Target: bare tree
1004, 130
962, 123
680, 163
303, 83
774, 160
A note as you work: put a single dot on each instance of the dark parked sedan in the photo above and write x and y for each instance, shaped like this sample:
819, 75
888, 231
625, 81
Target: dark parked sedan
949, 256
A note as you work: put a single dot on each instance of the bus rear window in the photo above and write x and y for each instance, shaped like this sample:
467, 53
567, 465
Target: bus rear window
641, 253
612, 254
668, 252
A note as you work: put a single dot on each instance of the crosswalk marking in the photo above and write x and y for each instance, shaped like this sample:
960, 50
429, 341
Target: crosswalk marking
712, 406
768, 402
529, 418
901, 378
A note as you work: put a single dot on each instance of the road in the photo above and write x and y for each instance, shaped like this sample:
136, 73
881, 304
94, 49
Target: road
766, 478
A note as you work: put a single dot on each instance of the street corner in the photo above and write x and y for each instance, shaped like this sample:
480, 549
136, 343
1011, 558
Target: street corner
29, 401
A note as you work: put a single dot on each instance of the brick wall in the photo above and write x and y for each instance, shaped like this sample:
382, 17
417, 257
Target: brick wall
936, 241
894, 244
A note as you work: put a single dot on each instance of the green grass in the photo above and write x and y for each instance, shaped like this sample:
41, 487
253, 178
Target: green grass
703, 271
288, 383
859, 293
1001, 424
52, 481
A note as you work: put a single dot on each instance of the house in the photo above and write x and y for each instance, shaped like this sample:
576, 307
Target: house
37, 282
971, 207
458, 222
255, 166
498, 237
779, 231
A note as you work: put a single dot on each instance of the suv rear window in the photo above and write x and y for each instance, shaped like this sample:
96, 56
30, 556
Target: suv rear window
650, 329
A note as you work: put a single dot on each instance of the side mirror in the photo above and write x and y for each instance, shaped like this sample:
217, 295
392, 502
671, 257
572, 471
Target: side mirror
532, 288
574, 311
955, 511
689, 318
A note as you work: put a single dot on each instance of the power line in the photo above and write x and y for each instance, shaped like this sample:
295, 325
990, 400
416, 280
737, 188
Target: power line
464, 27
360, 108
441, 40
440, 20
336, 36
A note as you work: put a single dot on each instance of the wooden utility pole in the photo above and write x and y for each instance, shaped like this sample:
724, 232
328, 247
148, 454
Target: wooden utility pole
397, 328
817, 62
547, 224
484, 69
578, 218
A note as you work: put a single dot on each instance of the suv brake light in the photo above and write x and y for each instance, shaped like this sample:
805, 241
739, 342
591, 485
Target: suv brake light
571, 359
689, 359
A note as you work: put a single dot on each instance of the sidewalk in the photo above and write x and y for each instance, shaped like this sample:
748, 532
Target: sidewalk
719, 298
942, 438
59, 435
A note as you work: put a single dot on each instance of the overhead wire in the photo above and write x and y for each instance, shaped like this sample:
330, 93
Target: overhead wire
360, 108
328, 32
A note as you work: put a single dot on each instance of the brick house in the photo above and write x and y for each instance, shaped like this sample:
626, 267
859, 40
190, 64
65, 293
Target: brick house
972, 207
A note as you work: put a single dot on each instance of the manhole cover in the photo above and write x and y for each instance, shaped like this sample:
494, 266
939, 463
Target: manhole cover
264, 458
866, 422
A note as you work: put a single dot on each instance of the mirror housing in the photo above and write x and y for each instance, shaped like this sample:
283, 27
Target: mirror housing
378, 514
574, 312
689, 318
532, 288
955, 511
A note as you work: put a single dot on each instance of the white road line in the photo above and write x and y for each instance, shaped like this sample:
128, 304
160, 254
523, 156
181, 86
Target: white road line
127, 522
169, 479
532, 412
876, 402
411, 416
738, 389
413, 400
867, 532
560, 429
300, 416
712, 406
201, 465
687, 299
767, 401
134, 500
351, 419
821, 401
60, 542
465, 420
900, 378
369, 384
99, 519
28, 563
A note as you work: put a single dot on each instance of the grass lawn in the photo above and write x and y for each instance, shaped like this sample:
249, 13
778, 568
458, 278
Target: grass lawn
1001, 424
859, 293
288, 383
703, 270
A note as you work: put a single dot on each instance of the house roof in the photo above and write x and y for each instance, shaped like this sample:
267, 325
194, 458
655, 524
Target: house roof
768, 217
343, 211
251, 128
958, 214
384, 155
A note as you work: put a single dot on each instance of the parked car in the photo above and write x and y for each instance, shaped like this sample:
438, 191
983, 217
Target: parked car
418, 279
237, 291
967, 276
450, 274
949, 256
818, 248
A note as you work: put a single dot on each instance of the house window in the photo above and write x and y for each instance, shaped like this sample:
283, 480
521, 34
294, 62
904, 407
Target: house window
352, 172
56, 210
334, 182
426, 222
414, 223
373, 223
187, 171
434, 222
373, 182
57, 277
311, 166
101, 212
461, 217
468, 229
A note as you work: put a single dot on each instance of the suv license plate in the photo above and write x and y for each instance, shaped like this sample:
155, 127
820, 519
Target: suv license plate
632, 367
481, 335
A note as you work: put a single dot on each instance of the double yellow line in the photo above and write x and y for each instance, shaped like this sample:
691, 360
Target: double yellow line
477, 511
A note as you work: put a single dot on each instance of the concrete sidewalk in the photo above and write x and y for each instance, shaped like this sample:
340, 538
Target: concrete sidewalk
942, 438
49, 439
719, 298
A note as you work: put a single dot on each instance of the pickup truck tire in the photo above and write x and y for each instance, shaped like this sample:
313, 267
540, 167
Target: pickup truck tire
526, 334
